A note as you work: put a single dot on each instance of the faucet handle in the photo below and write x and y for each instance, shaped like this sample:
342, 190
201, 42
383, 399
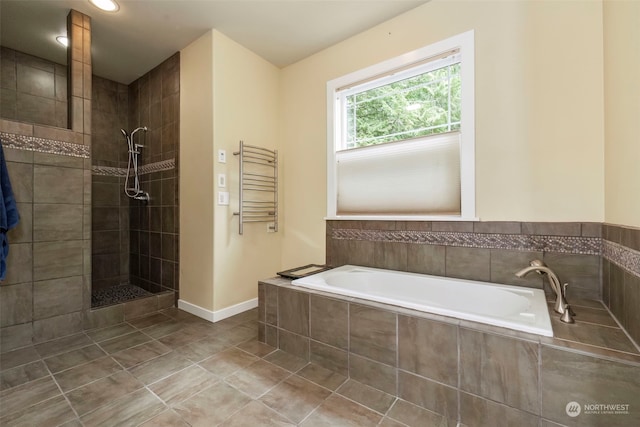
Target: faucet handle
564, 296
567, 316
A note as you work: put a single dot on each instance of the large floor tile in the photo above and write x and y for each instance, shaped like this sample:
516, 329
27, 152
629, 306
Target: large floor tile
322, 376
370, 397
29, 394
212, 406
149, 320
338, 411
51, 412
73, 358
141, 353
295, 398
99, 335
256, 414
129, 410
99, 393
183, 384
84, 374
257, 378
257, 348
200, 350
160, 367
286, 360
123, 342
163, 329
63, 345
22, 374
227, 362
18, 357
414, 416
166, 419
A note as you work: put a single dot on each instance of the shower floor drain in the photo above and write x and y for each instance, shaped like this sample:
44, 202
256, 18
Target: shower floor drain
116, 295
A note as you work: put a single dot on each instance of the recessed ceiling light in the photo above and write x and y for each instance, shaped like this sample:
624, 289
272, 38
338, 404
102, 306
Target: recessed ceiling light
63, 40
106, 5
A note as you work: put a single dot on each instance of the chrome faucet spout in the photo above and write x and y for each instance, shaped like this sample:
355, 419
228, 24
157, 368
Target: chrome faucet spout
553, 279
539, 267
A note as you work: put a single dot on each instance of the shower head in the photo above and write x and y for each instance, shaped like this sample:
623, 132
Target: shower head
144, 128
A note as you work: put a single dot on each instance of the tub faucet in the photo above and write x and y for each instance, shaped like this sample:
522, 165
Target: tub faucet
561, 306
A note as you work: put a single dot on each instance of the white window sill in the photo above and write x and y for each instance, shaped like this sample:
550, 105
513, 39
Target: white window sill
398, 218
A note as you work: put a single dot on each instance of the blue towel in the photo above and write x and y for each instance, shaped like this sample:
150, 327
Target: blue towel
8, 213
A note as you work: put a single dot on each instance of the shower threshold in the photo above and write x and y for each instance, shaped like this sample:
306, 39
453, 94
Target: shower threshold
117, 294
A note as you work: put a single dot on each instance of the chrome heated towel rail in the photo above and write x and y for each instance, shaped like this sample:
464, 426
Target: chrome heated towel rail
258, 198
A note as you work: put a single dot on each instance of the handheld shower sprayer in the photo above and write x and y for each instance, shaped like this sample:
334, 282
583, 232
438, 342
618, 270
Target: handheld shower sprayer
134, 151
144, 128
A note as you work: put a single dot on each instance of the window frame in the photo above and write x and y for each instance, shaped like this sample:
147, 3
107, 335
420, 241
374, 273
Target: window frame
465, 44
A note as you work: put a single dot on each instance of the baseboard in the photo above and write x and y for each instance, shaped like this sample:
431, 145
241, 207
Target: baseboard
196, 310
218, 315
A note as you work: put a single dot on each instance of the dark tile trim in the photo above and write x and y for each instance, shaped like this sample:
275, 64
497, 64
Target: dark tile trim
521, 242
43, 145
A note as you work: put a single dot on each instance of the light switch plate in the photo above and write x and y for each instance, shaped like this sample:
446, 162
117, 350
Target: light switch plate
222, 180
222, 156
223, 198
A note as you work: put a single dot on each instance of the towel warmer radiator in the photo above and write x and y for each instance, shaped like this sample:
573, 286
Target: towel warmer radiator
258, 185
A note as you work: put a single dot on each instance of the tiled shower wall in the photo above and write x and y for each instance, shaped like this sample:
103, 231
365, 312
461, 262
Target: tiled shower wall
46, 293
154, 102
110, 207
33, 90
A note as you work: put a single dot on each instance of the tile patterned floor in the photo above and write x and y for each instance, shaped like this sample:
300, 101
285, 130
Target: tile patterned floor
174, 369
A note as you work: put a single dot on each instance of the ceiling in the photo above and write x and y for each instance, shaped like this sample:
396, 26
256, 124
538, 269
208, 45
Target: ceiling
143, 33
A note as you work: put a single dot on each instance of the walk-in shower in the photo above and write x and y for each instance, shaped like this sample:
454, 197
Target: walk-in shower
134, 192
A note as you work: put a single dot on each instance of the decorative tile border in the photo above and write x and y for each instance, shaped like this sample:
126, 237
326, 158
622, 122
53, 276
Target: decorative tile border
142, 170
624, 257
520, 242
164, 165
43, 145
108, 171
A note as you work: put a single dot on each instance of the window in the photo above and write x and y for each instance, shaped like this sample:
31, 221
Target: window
401, 136
424, 100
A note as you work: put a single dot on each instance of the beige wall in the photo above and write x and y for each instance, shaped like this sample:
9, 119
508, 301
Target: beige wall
196, 173
245, 89
227, 94
539, 103
539, 131
622, 111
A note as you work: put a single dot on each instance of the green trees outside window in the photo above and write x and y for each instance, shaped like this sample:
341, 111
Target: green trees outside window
418, 106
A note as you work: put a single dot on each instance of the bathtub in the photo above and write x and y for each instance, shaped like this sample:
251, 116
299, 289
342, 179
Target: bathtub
520, 308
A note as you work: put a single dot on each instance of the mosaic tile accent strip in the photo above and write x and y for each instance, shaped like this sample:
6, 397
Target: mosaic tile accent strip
521, 242
622, 256
108, 171
43, 145
164, 165
122, 172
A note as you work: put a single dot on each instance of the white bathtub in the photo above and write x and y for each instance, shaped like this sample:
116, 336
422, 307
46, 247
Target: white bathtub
513, 307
